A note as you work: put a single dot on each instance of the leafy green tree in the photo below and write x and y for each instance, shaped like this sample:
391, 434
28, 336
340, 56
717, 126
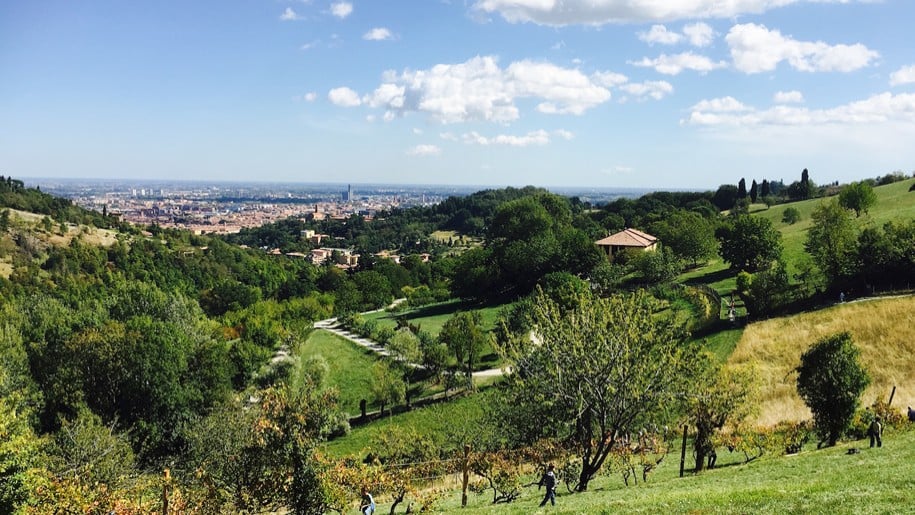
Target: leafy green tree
690, 236
388, 387
721, 395
465, 339
887, 254
725, 197
595, 374
766, 290
4, 220
832, 241
831, 380
858, 196
658, 266
750, 243
791, 215
375, 288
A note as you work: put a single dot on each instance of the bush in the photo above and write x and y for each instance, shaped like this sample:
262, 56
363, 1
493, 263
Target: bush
831, 380
791, 216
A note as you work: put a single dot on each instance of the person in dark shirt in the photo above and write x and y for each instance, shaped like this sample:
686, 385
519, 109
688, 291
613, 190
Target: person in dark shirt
549, 481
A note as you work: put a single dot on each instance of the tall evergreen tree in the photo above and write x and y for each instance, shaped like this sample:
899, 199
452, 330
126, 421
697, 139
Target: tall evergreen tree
754, 191
741, 189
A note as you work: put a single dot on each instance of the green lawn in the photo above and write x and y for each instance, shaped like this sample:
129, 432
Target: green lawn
431, 318
432, 420
827, 481
350, 367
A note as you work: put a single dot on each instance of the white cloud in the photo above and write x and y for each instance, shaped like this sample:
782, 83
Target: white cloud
788, 97
699, 34
378, 34
538, 137
755, 49
479, 89
311, 96
599, 12
344, 97
610, 79
656, 89
424, 150
676, 63
659, 34
289, 15
341, 9
721, 105
904, 75
881, 108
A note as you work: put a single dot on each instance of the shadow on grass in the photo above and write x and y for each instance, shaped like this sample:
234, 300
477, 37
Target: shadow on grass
713, 277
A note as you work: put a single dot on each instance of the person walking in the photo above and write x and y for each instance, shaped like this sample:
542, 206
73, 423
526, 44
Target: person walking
367, 505
549, 481
875, 431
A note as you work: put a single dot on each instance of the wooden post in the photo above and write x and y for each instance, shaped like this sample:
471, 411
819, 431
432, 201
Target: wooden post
465, 469
165, 483
892, 394
683, 449
362, 408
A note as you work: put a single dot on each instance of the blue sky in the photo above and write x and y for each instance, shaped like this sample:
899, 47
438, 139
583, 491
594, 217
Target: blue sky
602, 93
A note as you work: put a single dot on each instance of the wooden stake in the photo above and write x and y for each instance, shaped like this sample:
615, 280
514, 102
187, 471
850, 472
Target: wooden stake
683, 449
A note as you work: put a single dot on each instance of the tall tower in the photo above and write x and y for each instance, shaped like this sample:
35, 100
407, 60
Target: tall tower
349, 192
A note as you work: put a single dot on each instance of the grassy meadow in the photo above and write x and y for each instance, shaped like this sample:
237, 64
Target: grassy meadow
349, 367
827, 481
884, 330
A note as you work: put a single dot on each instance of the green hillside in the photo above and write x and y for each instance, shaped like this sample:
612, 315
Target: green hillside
894, 202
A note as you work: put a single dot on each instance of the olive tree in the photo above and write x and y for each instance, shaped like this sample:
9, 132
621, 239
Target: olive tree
590, 375
830, 380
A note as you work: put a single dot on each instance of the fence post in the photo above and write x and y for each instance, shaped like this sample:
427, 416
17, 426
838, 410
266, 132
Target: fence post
465, 470
362, 408
683, 449
166, 481
892, 394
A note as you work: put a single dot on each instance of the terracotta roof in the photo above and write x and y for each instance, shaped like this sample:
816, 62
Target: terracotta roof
628, 238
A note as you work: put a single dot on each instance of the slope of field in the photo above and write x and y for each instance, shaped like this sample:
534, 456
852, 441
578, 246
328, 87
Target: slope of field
884, 330
350, 368
828, 481
894, 202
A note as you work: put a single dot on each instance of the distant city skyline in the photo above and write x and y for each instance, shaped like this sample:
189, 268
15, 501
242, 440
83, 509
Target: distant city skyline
682, 94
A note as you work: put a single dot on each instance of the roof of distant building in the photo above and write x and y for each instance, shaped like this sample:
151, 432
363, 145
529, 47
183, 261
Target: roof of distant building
628, 238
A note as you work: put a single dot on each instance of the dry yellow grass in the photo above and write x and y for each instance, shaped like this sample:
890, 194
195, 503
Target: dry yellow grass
884, 330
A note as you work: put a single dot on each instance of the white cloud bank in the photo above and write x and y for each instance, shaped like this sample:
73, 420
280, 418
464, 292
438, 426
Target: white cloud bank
756, 49
904, 75
600, 12
727, 111
479, 89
